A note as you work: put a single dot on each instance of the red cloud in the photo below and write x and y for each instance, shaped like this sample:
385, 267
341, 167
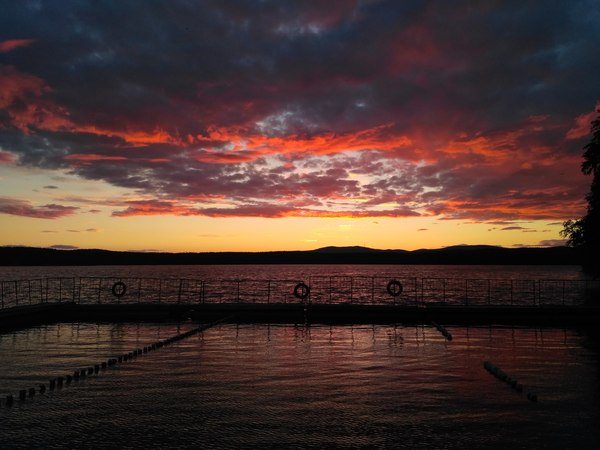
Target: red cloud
91, 157
7, 46
22, 96
266, 210
16, 85
582, 124
26, 209
249, 146
135, 137
414, 47
429, 121
6, 157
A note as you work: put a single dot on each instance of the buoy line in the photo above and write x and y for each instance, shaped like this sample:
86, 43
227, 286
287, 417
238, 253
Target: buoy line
80, 374
512, 382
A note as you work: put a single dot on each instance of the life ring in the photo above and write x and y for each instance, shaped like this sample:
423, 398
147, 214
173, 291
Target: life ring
119, 289
301, 291
394, 288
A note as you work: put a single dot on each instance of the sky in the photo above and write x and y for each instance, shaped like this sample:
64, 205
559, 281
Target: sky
249, 125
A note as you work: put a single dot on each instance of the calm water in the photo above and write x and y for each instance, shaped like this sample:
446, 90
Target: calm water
270, 386
295, 272
287, 386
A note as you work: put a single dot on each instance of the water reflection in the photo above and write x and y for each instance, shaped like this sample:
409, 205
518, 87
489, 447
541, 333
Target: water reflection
280, 385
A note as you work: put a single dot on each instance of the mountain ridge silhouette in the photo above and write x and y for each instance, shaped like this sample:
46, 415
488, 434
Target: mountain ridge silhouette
456, 254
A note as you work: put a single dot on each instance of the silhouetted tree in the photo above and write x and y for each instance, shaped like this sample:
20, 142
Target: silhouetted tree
584, 233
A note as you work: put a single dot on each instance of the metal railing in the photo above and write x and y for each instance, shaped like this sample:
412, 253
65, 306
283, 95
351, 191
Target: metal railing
323, 289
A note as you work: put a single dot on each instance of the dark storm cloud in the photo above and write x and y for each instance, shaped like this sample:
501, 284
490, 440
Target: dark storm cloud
469, 110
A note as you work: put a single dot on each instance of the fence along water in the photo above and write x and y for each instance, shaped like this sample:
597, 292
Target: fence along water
323, 289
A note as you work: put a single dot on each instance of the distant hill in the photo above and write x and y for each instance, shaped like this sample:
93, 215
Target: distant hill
462, 254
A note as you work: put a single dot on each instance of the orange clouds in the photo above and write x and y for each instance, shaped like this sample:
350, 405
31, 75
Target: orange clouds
263, 209
134, 137
22, 97
342, 109
249, 146
582, 124
17, 85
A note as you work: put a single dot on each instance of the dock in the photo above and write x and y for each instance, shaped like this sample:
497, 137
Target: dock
325, 299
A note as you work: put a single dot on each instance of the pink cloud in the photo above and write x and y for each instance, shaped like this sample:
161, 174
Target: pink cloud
248, 146
22, 96
264, 209
582, 124
6, 157
26, 209
11, 44
90, 157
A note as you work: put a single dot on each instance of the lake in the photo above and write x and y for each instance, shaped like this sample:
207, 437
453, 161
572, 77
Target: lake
301, 386
454, 284
298, 271
269, 386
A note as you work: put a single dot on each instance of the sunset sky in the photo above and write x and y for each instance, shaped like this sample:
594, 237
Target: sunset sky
287, 125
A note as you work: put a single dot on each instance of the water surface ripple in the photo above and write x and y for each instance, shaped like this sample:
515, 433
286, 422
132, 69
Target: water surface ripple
276, 386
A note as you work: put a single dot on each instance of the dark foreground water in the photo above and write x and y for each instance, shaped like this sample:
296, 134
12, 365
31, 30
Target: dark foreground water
287, 386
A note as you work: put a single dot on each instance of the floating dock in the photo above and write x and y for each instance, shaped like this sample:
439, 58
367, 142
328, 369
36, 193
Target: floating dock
34, 315
326, 299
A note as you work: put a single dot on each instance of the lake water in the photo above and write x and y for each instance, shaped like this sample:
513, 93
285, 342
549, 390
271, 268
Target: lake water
297, 271
267, 386
315, 386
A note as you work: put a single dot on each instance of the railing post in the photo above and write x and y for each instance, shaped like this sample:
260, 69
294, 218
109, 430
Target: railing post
489, 291
139, 289
268, 291
238, 291
159, 290
99, 289
179, 292
351, 288
372, 289
443, 290
16, 293
2, 293
563, 292
511, 292
417, 291
466, 292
